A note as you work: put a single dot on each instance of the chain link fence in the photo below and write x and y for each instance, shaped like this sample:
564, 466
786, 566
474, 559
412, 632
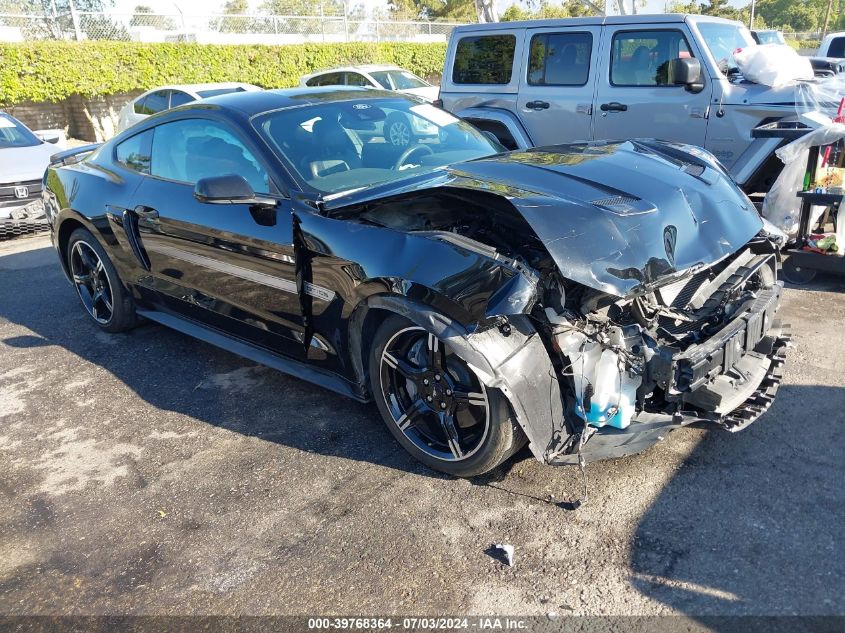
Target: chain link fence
215, 29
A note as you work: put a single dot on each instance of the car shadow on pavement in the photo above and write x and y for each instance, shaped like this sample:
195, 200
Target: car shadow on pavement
762, 533
174, 372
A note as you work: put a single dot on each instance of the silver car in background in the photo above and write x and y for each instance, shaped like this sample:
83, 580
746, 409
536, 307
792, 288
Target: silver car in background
24, 156
166, 97
373, 76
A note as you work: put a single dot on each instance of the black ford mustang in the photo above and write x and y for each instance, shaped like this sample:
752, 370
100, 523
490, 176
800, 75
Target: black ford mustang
585, 298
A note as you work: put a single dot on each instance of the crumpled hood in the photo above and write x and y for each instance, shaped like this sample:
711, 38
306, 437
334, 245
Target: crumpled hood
618, 217
25, 163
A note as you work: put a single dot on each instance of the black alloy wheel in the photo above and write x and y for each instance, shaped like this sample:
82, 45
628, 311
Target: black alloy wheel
435, 404
92, 283
97, 283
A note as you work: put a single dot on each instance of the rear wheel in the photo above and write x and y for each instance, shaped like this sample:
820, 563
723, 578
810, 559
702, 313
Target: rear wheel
97, 284
435, 405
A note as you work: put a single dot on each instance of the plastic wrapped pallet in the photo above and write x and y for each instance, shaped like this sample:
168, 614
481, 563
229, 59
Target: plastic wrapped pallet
782, 206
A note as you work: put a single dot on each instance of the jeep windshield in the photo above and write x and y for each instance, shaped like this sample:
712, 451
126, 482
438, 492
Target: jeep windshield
722, 40
344, 145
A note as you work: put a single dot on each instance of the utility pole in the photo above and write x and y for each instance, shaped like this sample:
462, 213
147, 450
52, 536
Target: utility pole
827, 17
751, 21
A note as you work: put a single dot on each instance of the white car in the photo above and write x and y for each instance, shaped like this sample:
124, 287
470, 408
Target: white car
374, 76
24, 156
166, 97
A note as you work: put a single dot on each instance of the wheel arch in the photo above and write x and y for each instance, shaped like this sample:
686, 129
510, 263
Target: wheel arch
65, 229
512, 359
368, 315
499, 122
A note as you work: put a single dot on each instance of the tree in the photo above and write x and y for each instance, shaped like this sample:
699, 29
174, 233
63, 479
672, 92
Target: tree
792, 16
239, 22
302, 7
717, 8
143, 15
455, 10
307, 8
58, 22
547, 11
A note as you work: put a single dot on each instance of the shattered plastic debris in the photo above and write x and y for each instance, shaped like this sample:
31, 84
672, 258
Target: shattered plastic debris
508, 551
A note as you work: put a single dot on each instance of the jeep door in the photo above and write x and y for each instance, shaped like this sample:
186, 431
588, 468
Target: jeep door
559, 73
636, 96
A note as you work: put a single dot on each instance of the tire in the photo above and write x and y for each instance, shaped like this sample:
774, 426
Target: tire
98, 285
795, 274
452, 422
397, 130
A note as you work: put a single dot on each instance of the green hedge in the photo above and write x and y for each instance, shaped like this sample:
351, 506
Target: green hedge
50, 71
803, 44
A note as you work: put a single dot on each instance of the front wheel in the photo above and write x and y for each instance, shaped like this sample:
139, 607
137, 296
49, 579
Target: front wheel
435, 405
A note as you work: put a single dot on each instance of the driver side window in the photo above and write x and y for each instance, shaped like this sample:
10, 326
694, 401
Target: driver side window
191, 149
641, 58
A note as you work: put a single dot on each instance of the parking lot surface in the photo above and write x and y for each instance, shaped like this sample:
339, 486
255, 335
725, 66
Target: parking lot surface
149, 473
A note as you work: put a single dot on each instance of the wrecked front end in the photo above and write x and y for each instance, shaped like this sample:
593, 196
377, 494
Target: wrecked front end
630, 308
705, 348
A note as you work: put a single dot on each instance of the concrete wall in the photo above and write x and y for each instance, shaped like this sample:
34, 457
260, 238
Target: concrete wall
91, 120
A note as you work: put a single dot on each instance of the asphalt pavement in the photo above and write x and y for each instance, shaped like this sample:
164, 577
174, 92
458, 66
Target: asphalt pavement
148, 473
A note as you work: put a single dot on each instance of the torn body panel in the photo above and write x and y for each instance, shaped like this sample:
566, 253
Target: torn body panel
463, 280
514, 361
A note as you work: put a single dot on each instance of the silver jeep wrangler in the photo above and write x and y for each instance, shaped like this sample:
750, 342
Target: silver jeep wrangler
670, 77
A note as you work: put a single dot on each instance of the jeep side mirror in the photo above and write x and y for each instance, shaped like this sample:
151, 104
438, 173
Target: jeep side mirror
229, 189
686, 71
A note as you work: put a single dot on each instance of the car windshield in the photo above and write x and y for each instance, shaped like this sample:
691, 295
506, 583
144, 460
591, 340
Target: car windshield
345, 145
15, 134
770, 37
205, 94
398, 80
723, 39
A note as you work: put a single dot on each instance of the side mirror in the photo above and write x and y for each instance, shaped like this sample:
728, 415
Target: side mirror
49, 136
229, 189
686, 71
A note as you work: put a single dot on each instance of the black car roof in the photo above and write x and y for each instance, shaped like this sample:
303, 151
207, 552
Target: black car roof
250, 103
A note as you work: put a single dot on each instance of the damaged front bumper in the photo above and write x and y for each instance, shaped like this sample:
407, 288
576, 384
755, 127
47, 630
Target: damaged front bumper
728, 381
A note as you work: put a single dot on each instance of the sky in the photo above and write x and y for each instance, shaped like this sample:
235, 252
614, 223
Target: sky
203, 7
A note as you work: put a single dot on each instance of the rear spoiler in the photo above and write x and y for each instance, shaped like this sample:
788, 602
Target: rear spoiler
71, 156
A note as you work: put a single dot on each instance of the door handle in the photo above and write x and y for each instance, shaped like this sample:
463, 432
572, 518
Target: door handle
537, 105
147, 213
613, 106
